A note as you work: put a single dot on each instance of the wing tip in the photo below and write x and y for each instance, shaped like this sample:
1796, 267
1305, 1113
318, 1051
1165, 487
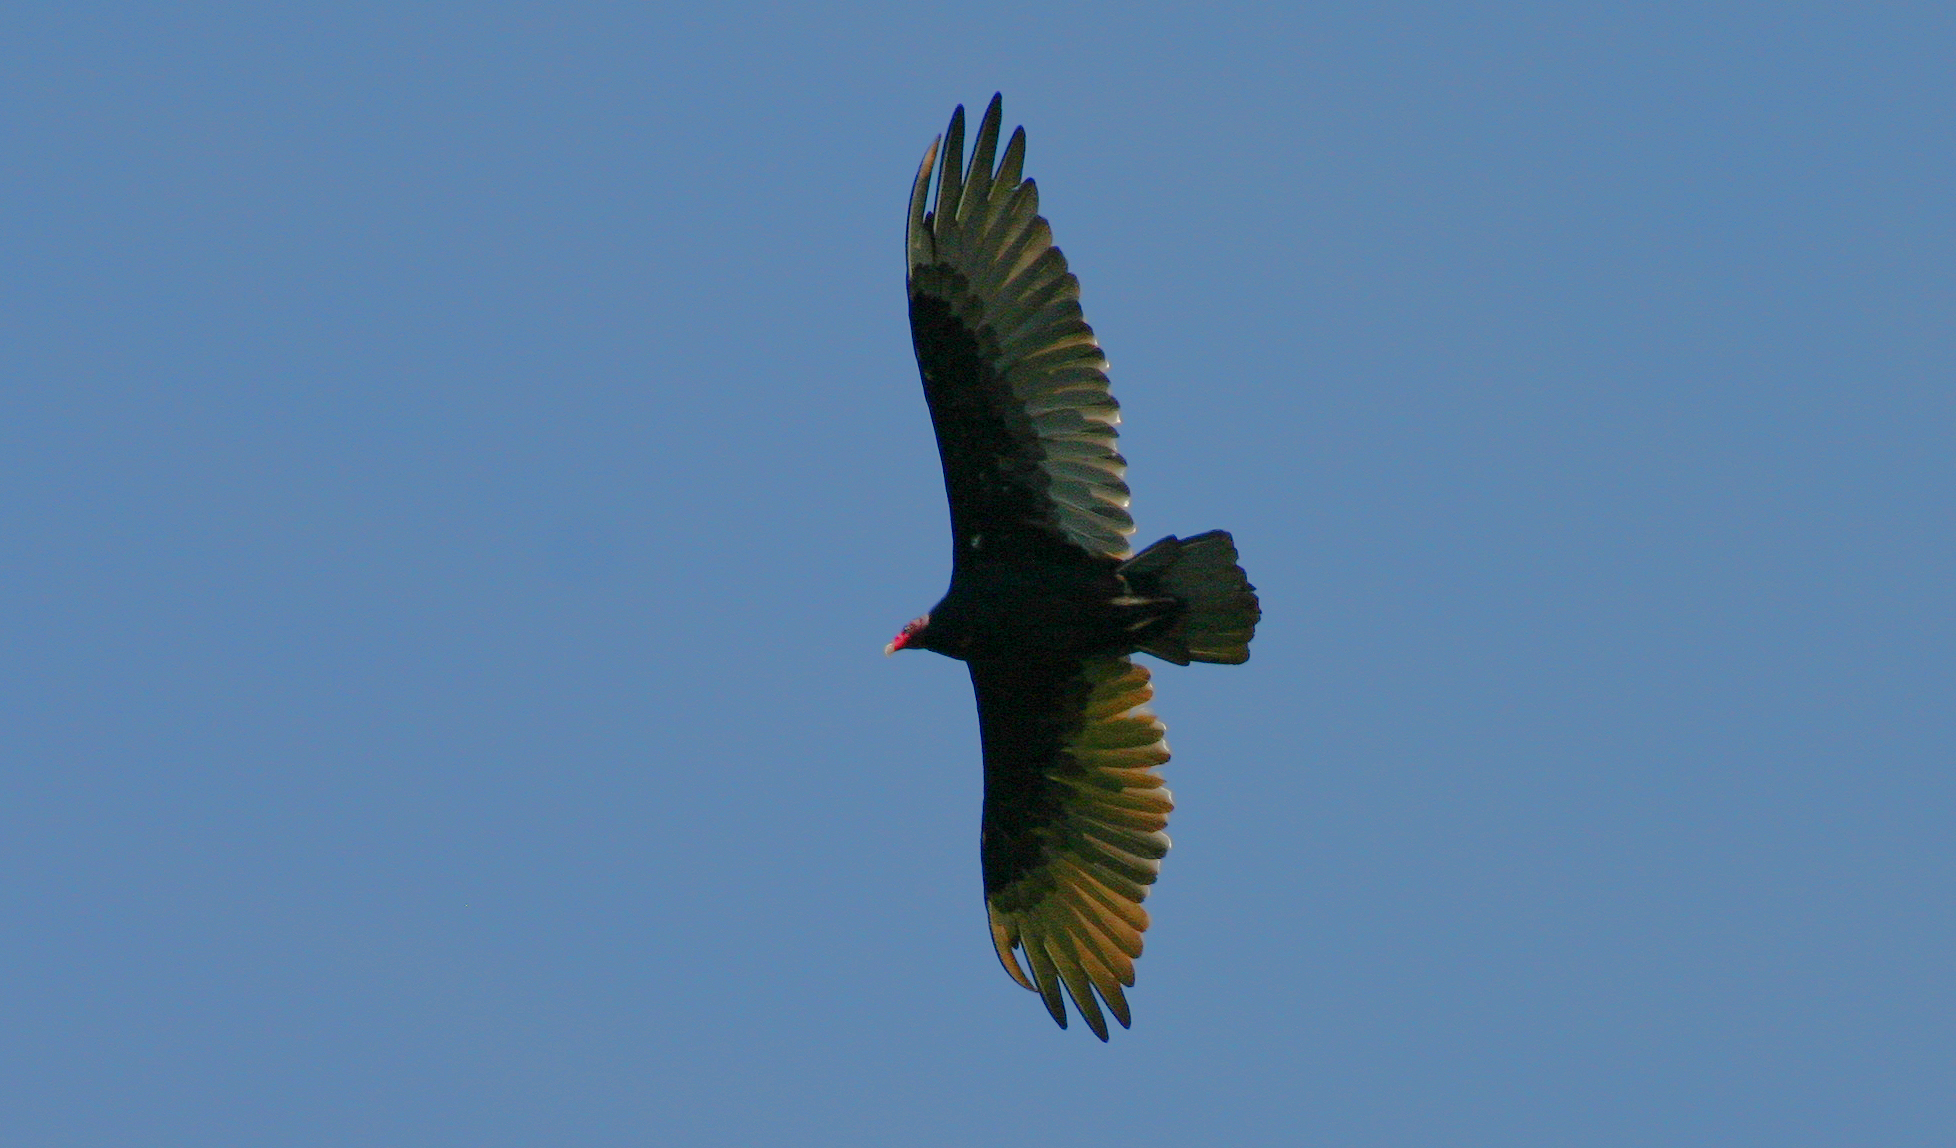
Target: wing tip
1004, 938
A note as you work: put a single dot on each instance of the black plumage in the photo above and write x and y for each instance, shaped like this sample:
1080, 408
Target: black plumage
1046, 605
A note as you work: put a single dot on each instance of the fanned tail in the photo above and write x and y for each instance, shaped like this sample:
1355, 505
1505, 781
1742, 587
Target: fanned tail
1219, 609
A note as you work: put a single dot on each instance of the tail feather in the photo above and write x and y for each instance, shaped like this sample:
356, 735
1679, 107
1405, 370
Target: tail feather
1219, 609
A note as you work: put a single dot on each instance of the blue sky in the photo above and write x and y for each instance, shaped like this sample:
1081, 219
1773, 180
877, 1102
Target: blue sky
460, 464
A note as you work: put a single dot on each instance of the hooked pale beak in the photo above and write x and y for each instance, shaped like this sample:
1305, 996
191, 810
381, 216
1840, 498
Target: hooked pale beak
904, 637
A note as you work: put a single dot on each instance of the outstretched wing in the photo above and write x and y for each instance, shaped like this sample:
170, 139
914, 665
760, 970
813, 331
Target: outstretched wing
1074, 824
1016, 382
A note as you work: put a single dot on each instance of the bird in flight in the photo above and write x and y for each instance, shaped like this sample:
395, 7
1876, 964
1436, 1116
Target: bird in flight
1047, 600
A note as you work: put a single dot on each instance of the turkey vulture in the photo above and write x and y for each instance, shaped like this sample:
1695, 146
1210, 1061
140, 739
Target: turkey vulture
1047, 603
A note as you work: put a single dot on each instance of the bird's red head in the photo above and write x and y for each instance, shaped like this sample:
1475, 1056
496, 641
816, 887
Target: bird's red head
908, 636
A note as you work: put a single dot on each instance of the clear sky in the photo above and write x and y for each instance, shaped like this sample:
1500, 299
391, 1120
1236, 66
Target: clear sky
459, 465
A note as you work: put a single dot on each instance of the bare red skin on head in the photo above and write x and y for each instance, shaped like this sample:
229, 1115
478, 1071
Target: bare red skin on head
908, 634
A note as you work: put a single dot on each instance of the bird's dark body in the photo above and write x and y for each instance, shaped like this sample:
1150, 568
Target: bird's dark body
1046, 605
1011, 610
